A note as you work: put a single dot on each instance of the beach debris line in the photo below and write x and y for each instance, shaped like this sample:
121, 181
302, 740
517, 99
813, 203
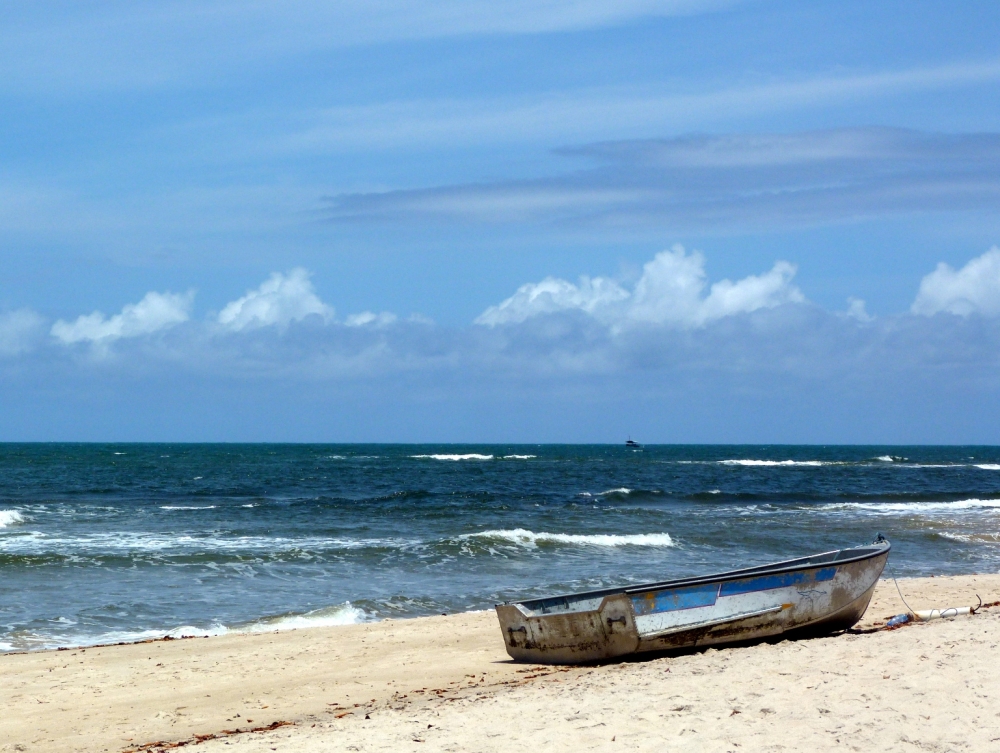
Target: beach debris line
161, 745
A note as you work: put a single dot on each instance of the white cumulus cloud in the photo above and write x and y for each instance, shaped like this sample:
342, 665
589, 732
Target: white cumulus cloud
973, 289
280, 300
370, 319
671, 291
155, 312
552, 295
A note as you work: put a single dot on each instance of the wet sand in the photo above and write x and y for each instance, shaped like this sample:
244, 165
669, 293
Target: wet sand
445, 683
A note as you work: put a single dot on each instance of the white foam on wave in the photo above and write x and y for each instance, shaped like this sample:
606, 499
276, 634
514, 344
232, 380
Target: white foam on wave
988, 466
187, 507
342, 614
885, 458
176, 544
519, 457
524, 537
10, 518
470, 456
918, 507
619, 490
973, 538
771, 463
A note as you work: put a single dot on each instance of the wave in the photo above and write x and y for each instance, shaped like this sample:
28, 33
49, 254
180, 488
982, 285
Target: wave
519, 457
341, 614
168, 544
523, 537
973, 538
988, 466
10, 518
770, 463
470, 456
895, 507
184, 507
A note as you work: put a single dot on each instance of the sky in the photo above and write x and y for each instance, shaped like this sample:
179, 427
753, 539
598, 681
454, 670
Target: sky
722, 221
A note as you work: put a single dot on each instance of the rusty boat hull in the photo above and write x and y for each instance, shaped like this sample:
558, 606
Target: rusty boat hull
813, 595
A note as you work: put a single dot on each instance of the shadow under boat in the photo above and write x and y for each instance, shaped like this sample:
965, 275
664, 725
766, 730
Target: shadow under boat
803, 597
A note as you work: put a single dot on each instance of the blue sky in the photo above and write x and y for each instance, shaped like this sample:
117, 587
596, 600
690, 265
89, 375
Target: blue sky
548, 221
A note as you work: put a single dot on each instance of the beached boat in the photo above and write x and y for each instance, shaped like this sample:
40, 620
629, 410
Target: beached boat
812, 595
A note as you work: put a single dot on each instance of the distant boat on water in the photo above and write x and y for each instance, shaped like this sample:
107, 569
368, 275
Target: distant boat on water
632, 443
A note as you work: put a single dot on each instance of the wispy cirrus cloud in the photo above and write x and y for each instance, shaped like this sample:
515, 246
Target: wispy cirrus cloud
142, 45
735, 180
600, 112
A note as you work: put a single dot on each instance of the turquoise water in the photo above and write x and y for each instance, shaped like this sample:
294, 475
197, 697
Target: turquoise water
103, 542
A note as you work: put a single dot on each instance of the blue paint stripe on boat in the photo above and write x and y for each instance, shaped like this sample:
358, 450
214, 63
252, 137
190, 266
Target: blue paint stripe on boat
826, 573
769, 582
654, 602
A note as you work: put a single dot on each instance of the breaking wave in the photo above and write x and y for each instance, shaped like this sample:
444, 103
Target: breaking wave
988, 466
523, 537
341, 614
519, 457
10, 518
470, 456
917, 507
771, 463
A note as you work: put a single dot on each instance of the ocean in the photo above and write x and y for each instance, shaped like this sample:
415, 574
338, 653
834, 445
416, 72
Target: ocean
102, 543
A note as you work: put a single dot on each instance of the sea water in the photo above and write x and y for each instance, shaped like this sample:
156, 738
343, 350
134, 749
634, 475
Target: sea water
105, 542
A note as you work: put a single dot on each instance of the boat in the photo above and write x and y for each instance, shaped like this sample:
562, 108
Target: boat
630, 443
814, 595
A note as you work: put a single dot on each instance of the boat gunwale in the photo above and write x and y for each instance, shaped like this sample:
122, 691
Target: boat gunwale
874, 549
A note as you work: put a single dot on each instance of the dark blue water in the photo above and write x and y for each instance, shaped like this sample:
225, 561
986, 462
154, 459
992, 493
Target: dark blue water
110, 542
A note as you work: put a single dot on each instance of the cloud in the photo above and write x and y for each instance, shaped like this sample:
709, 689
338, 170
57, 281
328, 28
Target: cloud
669, 292
734, 180
370, 319
155, 312
20, 331
137, 45
594, 112
280, 300
973, 289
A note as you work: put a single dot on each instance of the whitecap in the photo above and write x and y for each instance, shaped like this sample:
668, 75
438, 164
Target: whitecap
885, 458
470, 456
620, 490
972, 538
715, 491
519, 457
918, 507
770, 463
10, 518
989, 466
527, 538
185, 507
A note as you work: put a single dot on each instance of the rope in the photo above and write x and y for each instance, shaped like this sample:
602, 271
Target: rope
893, 576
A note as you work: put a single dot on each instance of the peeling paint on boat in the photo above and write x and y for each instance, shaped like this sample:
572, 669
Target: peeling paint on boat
817, 594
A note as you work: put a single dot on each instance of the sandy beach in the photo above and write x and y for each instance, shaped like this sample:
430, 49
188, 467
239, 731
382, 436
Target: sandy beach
445, 683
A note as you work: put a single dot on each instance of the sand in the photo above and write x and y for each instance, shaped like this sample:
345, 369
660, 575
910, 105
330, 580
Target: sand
445, 683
